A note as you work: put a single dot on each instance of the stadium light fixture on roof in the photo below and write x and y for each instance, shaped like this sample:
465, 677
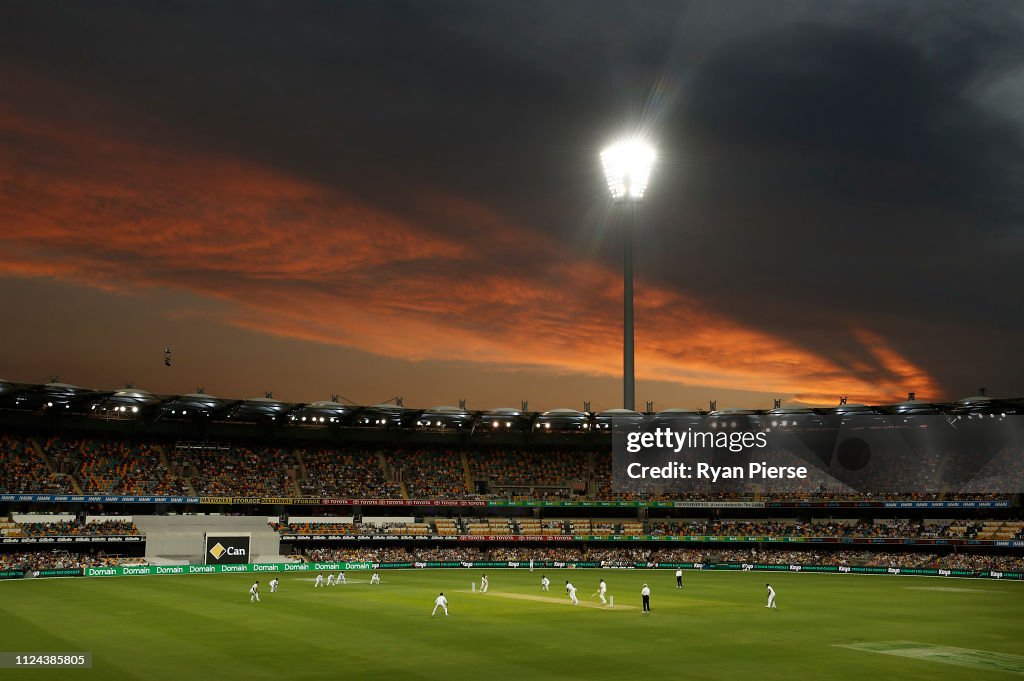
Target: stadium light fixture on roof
627, 168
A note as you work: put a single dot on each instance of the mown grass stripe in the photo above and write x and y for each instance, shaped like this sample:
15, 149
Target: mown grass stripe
963, 657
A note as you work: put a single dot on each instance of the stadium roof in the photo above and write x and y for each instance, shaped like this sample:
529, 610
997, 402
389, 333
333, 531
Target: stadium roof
70, 401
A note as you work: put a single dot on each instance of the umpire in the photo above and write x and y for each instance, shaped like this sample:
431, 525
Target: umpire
645, 594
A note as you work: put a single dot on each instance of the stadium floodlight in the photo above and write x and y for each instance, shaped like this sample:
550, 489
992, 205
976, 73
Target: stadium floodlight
627, 168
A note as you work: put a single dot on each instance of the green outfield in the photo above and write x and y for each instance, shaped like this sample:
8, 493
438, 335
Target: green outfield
826, 627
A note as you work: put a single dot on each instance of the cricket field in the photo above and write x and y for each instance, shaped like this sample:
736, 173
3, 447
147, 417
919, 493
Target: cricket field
184, 628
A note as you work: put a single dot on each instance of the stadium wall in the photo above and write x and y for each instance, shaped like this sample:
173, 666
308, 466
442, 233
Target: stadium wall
177, 538
140, 570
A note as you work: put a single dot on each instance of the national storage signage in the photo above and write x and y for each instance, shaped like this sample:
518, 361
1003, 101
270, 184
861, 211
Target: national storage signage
517, 503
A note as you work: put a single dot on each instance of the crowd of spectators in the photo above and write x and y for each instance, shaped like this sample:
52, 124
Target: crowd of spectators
316, 528
448, 554
632, 555
239, 471
126, 466
22, 470
75, 528
525, 554
524, 471
114, 466
895, 529
358, 554
64, 559
331, 473
617, 554
849, 558
430, 474
61, 559
969, 561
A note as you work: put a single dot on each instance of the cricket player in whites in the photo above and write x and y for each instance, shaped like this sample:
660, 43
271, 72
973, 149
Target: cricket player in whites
340, 579
771, 597
545, 583
273, 585
319, 580
330, 579
571, 590
254, 592
440, 602
602, 588
484, 584
375, 579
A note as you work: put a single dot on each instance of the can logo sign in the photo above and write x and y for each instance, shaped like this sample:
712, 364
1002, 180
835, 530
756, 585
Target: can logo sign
222, 550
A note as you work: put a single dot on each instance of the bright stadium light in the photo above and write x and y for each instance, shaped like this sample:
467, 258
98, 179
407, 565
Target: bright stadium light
627, 168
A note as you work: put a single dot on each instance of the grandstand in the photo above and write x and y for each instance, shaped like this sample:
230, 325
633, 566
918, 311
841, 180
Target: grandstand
431, 508
386, 483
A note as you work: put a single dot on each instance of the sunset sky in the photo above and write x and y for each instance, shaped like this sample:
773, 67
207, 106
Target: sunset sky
390, 198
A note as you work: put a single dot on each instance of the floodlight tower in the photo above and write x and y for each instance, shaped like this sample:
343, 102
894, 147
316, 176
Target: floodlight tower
627, 167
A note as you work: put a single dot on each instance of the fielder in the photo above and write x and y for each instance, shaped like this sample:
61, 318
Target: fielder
319, 581
545, 583
771, 597
483, 584
330, 580
273, 585
602, 588
571, 590
440, 602
254, 592
375, 579
340, 579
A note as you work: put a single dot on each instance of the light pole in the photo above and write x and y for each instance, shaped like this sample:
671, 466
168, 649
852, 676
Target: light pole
627, 167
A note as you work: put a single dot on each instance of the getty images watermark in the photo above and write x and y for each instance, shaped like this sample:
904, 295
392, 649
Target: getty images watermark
820, 454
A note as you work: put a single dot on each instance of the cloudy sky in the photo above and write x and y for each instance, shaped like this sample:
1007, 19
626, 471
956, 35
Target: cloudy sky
390, 198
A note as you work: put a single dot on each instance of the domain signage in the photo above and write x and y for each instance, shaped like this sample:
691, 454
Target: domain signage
226, 549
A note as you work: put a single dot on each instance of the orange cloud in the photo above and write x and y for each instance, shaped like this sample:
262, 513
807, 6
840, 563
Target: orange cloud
299, 259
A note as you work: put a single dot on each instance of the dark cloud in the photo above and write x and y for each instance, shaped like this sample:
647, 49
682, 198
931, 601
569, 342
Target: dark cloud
845, 172
845, 176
